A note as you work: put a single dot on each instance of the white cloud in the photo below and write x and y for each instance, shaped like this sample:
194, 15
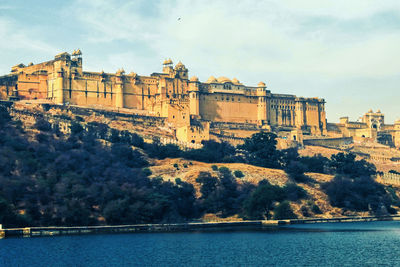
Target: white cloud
19, 43
306, 47
342, 9
301, 47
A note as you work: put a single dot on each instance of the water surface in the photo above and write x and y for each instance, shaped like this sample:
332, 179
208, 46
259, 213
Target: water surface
330, 244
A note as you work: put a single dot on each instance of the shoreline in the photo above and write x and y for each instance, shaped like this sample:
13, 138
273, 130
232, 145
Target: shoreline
181, 227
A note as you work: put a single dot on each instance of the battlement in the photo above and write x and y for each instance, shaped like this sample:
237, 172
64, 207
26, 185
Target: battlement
168, 94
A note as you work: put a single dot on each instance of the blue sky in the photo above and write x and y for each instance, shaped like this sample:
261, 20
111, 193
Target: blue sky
344, 51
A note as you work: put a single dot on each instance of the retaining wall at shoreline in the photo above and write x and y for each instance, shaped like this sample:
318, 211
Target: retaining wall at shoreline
180, 227
389, 178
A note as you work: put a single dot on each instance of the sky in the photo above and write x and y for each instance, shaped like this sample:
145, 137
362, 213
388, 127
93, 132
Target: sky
346, 52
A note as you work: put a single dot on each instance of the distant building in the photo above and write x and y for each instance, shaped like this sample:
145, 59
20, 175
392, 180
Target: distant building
370, 126
170, 94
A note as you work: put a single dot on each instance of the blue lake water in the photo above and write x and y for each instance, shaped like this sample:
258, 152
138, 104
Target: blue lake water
333, 244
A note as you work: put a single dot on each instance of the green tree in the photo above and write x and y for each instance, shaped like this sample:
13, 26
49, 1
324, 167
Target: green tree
261, 201
261, 150
238, 174
295, 170
346, 164
208, 184
284, 211
4, 116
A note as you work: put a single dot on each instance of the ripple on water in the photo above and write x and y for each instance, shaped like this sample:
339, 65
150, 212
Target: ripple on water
340, 244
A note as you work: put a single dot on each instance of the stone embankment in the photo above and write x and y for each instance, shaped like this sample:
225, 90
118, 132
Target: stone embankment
180, 227
389, 179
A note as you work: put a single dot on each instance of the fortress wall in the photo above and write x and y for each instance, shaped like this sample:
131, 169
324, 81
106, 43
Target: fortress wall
134, 96
162, 94
94, 91
48, 66
32, 86
228, 107
30, 116
312, 114
282, 116
330, 142
89, 92
141, 95
282, 110
389, 178
233, 125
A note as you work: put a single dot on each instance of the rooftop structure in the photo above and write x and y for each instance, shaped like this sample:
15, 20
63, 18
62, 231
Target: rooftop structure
170, 94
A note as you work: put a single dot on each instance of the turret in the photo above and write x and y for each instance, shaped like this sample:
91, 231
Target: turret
181, 71
300, 115
167, 67
58, 86
119, 89
262, 103
194, 97
76, 64
397, 134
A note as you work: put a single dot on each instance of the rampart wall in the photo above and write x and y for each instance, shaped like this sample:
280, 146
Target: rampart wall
329, 142
389, 178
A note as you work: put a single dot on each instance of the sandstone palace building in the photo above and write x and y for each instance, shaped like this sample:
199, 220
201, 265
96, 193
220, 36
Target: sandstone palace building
185, 102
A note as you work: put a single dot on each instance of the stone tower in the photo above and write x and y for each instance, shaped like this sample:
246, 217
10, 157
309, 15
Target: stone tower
374, 120
194, 97
262, 103
59, 75
119, 89
167, 67
397, 134
181, 71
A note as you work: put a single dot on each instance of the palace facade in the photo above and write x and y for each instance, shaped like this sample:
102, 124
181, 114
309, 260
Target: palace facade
170, 94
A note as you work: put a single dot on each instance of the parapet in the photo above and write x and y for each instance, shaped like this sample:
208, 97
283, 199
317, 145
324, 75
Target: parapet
344, 120
17, 67
194, 79
62, 56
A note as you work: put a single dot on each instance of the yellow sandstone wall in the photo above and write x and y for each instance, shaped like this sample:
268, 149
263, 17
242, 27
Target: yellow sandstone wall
228, 107
168, 94
397, 134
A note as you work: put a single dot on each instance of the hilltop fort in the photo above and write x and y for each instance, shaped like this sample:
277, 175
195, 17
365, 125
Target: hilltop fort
219, 108
188, 104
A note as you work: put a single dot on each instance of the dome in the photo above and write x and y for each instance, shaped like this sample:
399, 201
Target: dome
180, 66
370, 111
261, 84
223, 79
379, 111
235, 81
167, 62
194, 79
211, 80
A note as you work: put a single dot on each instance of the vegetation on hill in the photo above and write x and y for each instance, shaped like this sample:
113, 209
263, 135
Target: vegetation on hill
47, 178
57, 180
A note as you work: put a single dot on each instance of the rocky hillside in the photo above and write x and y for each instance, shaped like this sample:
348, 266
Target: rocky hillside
188, 171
